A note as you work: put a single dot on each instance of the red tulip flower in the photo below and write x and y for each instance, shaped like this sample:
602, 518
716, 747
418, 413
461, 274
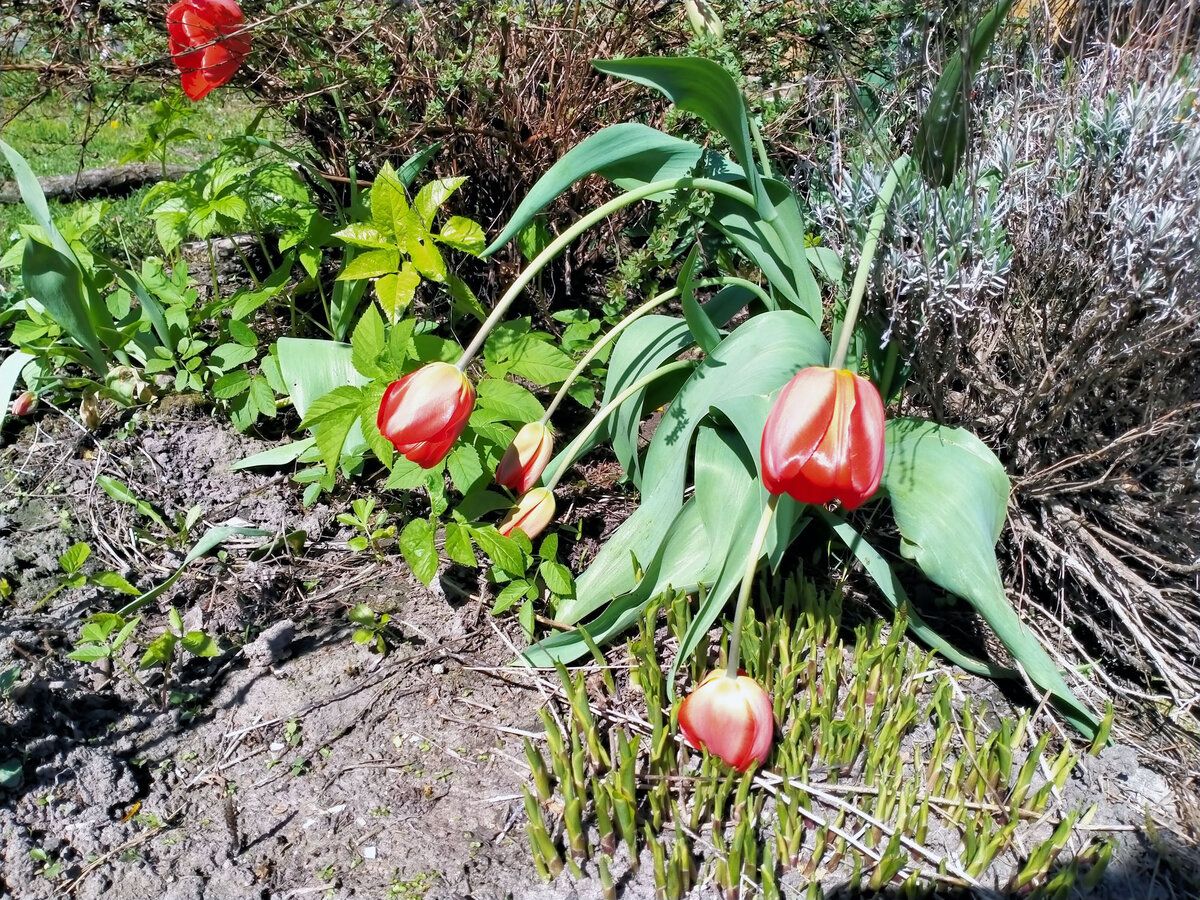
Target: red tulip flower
424, 412
823, 439
533, 512
205, 43
731, 718
526, 457
24, 404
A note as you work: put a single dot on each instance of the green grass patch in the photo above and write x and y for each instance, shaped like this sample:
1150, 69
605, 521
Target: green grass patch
885, 772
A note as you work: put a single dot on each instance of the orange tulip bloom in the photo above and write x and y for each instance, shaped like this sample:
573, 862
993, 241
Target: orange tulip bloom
823, 439
731, 718
526, 458
424, 412
533, 512
205, 45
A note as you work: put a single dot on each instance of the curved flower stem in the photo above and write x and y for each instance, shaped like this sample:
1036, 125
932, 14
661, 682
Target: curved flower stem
648, 306
838, 360
739, 616
609, 408
561, 242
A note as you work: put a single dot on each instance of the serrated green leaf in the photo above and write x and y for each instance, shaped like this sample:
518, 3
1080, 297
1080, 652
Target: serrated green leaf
231, 384
198, 643
464, 298
540, 361
432, 196
463, 234
360, 235
371, 264
505, 401
159, 651
369, 421
113, 582
262, 396
425, 257
420, 552
72, 561
458, 545
464, 467
330, 418
510, 594
368, 343
89, 652
396, 291
557, 577
503, 551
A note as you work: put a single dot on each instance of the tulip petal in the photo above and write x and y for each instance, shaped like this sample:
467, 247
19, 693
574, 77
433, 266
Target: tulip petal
730, 717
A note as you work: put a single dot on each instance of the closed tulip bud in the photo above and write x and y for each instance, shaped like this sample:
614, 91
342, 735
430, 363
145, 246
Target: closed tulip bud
424, 412
24, 404
731, 718
526, 457
208, 42
823, 439
532, 514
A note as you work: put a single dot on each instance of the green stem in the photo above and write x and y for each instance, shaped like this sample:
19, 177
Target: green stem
763, 160
568, 455
648, 306
868, 257
561, 242
739, 616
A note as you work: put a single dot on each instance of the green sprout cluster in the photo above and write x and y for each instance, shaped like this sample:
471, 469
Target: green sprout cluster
879, 753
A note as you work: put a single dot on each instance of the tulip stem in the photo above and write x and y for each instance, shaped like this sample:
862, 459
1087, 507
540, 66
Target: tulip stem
561, 242
859, 288
572, 449
648, 306
739, 615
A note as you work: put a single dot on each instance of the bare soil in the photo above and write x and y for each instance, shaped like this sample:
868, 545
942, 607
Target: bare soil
297, 762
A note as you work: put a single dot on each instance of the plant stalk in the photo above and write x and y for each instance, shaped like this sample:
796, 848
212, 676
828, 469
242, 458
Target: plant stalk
561, 242
651, 304
838, 360
608, 410
739, 616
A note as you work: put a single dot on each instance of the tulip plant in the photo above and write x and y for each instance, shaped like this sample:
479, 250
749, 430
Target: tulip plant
772, 426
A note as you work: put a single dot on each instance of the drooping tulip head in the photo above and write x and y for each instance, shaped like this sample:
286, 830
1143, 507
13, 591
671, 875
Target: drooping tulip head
205, 43
729, 717
24, 404
533, 512
823, 439
526, 457
424, 412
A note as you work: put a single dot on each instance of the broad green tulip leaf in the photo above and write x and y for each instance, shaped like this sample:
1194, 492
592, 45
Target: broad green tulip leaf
702, 87
283, 455
55, 280
412, 167
34, 199
312, 368
628, 154
703, 330
949, 495
777, 247
639, 351
10, 371
941, 140
827, 264
884, 576
208, 542
756, 358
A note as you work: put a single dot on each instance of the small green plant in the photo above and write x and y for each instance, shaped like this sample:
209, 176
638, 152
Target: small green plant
373, 529
371, 629
71, 563
47, 867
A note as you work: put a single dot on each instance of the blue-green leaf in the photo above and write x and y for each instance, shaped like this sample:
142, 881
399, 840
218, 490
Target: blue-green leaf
949, 495
702, 87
